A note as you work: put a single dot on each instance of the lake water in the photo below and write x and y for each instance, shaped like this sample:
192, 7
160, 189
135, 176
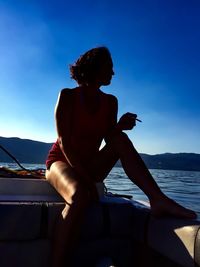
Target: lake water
182, 186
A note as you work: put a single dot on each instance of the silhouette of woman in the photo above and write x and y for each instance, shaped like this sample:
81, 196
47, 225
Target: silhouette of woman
84, 117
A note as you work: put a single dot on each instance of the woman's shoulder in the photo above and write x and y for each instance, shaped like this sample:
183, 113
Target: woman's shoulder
110, 98
68, 91
65, 96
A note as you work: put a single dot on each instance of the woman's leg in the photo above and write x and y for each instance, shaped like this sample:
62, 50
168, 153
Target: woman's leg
121, 147
65, 181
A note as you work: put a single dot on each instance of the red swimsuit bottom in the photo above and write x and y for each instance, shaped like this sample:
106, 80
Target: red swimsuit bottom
55, 154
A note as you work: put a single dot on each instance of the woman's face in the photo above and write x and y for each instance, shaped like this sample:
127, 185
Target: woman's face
106, 72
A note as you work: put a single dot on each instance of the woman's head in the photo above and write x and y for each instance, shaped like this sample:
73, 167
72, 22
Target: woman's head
95, 66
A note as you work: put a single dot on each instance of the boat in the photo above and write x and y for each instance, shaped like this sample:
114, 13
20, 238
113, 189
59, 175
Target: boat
117, 231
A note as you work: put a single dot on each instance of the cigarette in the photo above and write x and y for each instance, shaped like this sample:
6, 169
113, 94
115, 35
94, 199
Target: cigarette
138, 120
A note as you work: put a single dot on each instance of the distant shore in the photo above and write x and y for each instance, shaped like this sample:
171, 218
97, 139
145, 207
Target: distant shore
35, 152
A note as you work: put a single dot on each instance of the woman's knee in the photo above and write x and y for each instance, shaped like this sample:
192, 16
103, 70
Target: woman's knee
122, 145
120, 139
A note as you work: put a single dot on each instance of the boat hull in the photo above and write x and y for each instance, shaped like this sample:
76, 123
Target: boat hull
115, 227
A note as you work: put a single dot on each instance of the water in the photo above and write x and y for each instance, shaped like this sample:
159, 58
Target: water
182, 186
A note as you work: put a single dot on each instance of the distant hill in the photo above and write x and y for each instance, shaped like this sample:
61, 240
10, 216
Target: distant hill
173, 161
29, 151
24, 150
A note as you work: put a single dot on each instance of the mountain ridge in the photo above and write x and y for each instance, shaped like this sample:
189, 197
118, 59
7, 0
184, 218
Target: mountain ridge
31, 151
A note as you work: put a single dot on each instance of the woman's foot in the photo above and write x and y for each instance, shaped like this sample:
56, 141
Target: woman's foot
168, 207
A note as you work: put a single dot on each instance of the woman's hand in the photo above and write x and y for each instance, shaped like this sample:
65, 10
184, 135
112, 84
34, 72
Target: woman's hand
127, 121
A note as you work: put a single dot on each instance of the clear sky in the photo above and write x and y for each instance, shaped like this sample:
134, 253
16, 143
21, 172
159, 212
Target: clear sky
156, 53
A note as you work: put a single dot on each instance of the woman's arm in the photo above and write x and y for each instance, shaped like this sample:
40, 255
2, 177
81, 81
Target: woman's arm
126, 122
63, 118
112, 117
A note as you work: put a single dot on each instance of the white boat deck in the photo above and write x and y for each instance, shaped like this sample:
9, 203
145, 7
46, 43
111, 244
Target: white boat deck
36, 190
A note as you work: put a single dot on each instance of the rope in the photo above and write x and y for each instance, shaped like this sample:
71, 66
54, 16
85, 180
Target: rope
10, 155
35, 173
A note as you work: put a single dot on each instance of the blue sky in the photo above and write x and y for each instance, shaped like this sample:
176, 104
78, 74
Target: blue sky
156, 53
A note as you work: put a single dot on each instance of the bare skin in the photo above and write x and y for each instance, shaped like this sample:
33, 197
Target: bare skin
75, 178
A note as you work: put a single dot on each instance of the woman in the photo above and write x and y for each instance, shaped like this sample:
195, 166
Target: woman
84, 117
